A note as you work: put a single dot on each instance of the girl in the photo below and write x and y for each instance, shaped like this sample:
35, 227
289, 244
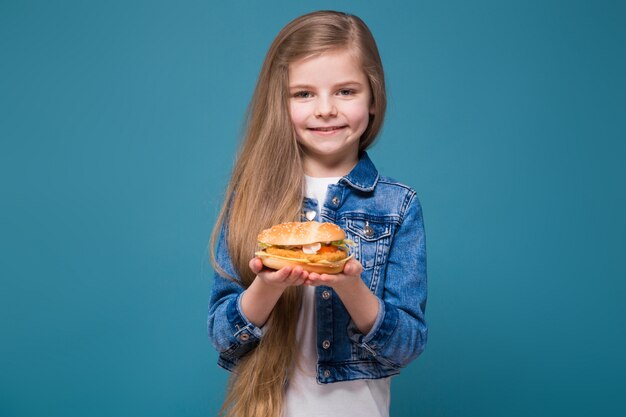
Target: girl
301, 343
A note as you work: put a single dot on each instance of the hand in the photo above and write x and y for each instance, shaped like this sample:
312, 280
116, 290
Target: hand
259, 299
282, 278
349, 277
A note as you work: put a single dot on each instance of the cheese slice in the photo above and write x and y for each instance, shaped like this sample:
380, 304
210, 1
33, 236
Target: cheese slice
262, 254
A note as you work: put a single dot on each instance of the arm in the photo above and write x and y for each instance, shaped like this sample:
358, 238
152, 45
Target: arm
230, 331
399, 333
259, 299
236, 316
393, 328
361, 303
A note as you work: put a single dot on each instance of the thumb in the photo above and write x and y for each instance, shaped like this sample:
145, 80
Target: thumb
255, 265
353, 268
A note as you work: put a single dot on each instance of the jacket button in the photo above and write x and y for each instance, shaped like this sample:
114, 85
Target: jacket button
326, 344
369, 232
335, 200
244, 337
326, 294
326, 373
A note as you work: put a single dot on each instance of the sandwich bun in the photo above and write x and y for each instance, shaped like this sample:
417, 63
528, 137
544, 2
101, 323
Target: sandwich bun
301, 233
275, 262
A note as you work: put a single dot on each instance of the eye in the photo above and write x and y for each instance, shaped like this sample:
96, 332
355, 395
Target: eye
346, 92
303, 94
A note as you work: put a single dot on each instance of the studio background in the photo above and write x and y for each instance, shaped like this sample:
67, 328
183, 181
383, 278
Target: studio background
119, 125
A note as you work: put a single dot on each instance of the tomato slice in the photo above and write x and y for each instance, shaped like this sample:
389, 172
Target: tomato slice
328, 249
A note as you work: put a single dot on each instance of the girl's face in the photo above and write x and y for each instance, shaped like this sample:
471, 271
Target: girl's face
330, 105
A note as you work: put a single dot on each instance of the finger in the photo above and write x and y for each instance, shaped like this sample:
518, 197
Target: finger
296, 276
314, 276
353, 267
256, 265
301, 278
312, 283
317, 279
304, 276
311, 279
329, 278
276, 276
283, 273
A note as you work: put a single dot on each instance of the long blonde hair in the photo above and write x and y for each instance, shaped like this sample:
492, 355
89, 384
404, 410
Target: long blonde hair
266, 188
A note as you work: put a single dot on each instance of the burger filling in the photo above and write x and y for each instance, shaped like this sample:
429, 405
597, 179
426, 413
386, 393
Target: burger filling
317, 252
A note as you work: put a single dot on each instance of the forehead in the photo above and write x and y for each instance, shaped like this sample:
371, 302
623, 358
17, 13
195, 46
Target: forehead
329, 65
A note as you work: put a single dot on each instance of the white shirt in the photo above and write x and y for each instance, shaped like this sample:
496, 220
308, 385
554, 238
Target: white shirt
304, 396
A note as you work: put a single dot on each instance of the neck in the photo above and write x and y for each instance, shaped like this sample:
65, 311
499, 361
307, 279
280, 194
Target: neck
314, 167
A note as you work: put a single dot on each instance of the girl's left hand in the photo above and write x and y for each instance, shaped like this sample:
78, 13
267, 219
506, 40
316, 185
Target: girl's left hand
350, 276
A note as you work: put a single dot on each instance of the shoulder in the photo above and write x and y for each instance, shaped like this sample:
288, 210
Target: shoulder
392, 183
388, 201
376, 197
392, 190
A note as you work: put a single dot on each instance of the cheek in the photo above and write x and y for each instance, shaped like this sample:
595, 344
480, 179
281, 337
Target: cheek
358, 112
298, 114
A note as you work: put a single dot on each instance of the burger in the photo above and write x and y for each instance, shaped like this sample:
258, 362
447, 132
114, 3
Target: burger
316, 247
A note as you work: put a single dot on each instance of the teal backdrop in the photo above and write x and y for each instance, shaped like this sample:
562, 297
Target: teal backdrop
119, 122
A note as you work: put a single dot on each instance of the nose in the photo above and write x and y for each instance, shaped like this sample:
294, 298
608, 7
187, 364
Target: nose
325, 107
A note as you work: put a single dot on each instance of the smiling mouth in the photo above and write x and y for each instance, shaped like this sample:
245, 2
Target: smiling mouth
326, 129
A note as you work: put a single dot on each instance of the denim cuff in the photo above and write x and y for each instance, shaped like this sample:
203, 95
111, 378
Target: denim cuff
377, 323
384, 325
243, 330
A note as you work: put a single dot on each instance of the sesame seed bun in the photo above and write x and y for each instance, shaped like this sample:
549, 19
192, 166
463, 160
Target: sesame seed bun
301, 233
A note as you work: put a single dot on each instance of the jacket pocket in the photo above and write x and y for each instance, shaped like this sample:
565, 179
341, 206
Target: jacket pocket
372, 239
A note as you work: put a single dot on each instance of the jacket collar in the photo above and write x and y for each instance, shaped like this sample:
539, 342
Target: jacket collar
363, 176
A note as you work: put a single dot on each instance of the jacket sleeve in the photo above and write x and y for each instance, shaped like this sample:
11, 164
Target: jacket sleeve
230, 332
400, 332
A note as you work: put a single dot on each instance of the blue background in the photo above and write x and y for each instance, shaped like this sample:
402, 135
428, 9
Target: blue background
119, 124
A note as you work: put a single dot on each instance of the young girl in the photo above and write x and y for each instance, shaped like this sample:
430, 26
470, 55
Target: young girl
298, 343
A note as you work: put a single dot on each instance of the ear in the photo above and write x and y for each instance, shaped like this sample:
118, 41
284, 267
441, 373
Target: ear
372, 108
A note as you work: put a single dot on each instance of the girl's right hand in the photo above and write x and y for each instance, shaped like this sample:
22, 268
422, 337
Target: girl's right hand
282, 278
259, 299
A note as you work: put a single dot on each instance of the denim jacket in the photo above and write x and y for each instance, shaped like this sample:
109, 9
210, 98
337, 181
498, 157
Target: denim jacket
384, 219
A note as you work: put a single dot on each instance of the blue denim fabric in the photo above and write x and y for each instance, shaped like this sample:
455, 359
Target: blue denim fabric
384, 219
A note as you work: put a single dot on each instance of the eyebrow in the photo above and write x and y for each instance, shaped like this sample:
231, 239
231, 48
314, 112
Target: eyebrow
336, 85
